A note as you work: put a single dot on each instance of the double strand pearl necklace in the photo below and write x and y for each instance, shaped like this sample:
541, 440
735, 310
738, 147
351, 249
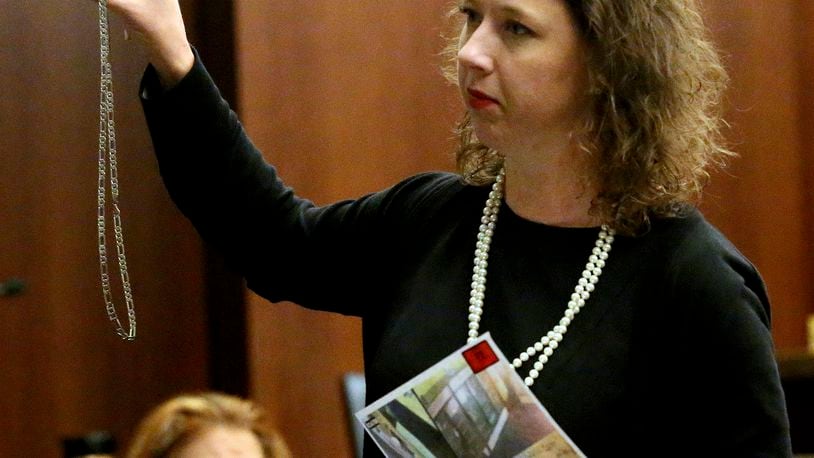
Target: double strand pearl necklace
585, 286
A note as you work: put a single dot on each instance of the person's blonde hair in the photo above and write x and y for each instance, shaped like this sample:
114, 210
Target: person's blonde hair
175, 422
656, 83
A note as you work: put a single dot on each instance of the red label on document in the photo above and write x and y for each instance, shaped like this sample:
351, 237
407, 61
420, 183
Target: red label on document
480, 357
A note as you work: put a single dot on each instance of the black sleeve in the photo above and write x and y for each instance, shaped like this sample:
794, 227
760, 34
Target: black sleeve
730, 384
333, 258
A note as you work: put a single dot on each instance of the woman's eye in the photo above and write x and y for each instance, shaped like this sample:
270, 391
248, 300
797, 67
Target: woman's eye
516, 28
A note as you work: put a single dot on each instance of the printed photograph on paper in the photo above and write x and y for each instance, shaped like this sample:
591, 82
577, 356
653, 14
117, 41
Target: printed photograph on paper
472, 403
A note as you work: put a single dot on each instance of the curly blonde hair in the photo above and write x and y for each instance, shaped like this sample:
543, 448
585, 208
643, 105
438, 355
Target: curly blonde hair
655, 88
175, 422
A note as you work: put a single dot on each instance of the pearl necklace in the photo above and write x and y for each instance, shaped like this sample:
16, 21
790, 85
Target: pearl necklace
585, 286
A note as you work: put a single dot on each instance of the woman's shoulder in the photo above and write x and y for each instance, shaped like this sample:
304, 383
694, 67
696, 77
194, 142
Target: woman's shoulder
422, 195
691, 239
701, 265
428, 184
691, 233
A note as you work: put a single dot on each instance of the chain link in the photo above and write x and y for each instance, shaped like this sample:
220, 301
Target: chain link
108, 162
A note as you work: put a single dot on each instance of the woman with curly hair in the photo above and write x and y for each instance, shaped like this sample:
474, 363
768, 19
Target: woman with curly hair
588, 125
206, 425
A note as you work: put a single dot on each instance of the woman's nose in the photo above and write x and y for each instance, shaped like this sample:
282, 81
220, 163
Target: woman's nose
476, 51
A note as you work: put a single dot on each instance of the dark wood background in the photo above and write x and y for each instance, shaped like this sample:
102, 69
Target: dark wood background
63, 371
346, 98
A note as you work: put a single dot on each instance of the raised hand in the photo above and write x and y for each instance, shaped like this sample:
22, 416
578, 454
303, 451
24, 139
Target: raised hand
160, 26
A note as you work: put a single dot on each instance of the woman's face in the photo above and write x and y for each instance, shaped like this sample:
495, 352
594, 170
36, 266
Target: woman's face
522, 72
221, 442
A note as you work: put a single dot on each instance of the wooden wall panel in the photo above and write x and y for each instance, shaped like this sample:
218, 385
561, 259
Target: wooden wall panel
804, 28
760, 202
345, 97
63, 371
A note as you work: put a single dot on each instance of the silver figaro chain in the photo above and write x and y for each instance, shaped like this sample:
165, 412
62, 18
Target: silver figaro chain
107, 160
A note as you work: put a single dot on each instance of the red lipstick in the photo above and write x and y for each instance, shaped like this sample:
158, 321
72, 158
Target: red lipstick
479, 100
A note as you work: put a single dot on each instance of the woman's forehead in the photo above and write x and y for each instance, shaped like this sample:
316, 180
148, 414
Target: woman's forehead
537, 9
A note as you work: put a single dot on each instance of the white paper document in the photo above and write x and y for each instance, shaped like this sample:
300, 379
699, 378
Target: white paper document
470, 404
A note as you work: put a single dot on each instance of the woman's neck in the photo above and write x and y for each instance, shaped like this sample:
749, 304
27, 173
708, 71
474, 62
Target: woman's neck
554, 189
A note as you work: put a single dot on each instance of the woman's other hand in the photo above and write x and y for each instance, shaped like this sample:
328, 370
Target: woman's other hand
160, 26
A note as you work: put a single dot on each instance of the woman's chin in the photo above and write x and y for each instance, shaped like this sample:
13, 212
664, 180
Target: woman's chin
488, 135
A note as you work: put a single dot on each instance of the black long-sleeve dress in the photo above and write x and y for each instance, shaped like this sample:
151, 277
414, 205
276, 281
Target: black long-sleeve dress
672, 355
